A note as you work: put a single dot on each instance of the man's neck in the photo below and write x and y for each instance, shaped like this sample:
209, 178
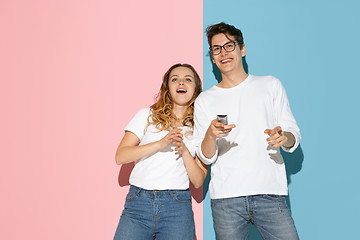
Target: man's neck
233, 78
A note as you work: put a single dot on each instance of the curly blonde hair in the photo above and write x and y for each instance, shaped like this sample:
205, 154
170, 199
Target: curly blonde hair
161, 114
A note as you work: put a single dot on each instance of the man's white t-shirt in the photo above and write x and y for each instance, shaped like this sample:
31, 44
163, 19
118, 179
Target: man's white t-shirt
244, 163
163, 170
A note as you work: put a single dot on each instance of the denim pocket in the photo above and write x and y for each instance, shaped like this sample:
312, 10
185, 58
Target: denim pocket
216, 200
132, 194
274, 197
181, 196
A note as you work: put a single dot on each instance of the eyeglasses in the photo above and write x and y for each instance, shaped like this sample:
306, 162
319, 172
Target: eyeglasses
229, 47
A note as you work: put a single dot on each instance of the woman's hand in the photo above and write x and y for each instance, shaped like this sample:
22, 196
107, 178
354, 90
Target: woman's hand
171, 137
129, 149
179, 143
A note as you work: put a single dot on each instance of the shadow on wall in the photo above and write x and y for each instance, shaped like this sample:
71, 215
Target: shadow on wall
293, 164
124, 175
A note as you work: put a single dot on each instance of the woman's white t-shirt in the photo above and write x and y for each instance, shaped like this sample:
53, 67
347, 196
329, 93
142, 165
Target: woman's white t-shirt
163, 170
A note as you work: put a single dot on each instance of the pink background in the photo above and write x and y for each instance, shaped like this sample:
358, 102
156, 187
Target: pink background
73, 73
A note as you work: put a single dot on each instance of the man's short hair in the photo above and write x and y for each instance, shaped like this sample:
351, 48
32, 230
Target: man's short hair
228, 30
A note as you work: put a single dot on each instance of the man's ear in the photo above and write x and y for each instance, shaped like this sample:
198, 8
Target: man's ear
243, 50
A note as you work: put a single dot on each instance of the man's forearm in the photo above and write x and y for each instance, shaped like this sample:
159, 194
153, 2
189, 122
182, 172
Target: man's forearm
208, 146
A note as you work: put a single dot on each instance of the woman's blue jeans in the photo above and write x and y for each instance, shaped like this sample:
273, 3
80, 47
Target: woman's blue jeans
269, 213
162, 215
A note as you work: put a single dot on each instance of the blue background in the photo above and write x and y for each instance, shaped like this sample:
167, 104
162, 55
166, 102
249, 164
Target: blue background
313, 48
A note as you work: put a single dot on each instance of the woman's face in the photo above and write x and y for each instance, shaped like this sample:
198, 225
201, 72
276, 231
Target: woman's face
181, 85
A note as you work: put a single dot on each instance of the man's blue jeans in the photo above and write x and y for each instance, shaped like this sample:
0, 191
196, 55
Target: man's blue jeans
269, 213
162, 214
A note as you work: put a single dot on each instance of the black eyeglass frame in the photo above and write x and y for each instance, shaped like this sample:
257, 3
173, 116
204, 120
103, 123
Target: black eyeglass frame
223, 46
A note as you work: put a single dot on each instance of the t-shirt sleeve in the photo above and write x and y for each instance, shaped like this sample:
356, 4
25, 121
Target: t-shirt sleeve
201, 124
284, 116
138, 123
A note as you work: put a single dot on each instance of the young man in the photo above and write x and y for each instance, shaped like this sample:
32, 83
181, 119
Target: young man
248, 179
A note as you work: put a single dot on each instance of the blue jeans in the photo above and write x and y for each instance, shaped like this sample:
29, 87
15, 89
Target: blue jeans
162, 215
269, 213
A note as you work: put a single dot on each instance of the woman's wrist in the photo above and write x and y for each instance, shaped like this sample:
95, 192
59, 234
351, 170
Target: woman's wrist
186, 153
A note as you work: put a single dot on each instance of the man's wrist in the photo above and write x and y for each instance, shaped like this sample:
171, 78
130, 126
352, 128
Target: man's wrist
208, 148
290, 140
209, 138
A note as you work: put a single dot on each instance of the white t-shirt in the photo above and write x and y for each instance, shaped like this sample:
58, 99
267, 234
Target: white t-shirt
163, 170
244, 163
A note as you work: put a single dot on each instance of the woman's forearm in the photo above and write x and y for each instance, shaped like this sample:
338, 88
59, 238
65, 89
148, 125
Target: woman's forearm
195, 170
127, 154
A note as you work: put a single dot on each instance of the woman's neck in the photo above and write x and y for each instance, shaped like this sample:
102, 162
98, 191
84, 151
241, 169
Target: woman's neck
179, 112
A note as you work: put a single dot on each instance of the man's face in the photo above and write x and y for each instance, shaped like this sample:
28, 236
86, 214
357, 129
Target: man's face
227, 61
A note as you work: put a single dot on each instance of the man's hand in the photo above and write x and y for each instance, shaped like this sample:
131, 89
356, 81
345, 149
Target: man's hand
215, 130
218, 129
278, 138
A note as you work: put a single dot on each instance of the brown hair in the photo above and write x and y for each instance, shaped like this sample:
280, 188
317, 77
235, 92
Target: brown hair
228, 30
161, 114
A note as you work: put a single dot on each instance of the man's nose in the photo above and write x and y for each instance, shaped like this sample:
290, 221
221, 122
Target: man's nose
223, 51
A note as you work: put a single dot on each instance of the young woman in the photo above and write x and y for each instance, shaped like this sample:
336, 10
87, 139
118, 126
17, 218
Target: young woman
159, 140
